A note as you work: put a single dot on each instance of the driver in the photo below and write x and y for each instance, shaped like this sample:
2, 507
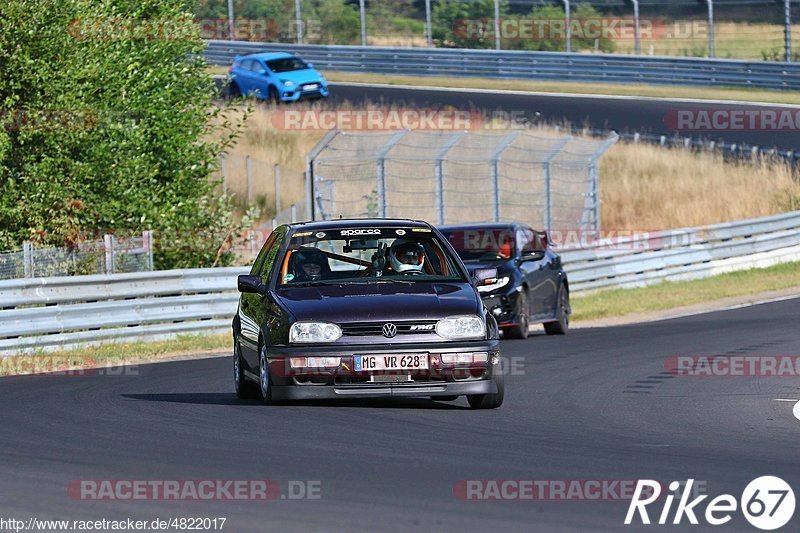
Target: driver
407, 257
310, 264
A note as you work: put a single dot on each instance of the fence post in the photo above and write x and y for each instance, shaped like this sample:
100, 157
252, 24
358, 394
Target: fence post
636, 33
27, 259
363, 11
710, 28
568, 21
497, 24
381, 168
293, 212
548, 200
299, 21
249, 169
147, 237
439, 172
429, 23
108, 242
277, 170
231, 24
787, 30
495, 161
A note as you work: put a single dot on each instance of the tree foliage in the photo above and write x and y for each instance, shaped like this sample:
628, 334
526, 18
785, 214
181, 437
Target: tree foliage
108, 125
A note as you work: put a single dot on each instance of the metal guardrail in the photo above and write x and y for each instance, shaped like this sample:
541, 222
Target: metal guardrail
49, 313
613, 68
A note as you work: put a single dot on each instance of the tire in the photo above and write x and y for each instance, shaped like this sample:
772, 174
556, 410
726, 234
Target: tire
522, 318
560, 326
264, 379
444, 398
233, 91
272, 95
245, 390
489, 401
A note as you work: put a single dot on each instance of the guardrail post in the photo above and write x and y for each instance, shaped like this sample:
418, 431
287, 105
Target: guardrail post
108, 242
27, 259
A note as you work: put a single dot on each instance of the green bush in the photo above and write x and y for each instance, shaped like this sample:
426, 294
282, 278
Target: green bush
105, 129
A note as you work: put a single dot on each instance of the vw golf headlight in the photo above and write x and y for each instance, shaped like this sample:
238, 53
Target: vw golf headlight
314, 332
461, 327
288, 83
498, 283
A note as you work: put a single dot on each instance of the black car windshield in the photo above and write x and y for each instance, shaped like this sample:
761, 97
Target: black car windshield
367, 255
286, 64
478, 244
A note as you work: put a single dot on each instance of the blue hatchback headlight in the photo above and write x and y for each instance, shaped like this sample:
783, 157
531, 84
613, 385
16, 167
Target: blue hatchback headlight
288, 83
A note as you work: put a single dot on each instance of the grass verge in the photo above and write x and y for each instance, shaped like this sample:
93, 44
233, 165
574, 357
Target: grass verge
673, 294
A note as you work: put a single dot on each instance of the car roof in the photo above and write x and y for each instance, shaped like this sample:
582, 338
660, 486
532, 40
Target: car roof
267, 56
359, 223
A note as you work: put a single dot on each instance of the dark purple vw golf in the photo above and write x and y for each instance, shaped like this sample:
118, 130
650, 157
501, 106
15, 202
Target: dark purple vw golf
364, 308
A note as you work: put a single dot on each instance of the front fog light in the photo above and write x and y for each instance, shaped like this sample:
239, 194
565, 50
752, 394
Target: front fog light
461, 327
314, 332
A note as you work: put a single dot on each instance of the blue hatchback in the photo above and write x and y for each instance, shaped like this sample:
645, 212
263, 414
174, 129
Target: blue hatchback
277, 77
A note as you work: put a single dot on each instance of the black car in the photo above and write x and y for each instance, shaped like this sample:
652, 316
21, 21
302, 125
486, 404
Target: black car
531, 285
364, 308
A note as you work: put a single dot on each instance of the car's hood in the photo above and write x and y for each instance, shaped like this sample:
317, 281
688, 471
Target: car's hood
308, 75
378, 302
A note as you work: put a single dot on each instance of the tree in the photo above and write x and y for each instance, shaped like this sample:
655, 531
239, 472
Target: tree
109, 125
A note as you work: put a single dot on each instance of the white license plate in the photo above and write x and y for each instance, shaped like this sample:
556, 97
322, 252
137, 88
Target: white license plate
311, 87
369, 363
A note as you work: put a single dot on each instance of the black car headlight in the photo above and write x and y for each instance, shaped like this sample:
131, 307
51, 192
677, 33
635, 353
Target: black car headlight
496, 284
461, 327
314, 332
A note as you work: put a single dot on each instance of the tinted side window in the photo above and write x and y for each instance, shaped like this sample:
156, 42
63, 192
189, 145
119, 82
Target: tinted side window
262, 255
271, 254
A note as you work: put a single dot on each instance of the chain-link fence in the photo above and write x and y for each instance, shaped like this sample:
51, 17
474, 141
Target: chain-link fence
739, 29
274, 188
110, 255
457, 177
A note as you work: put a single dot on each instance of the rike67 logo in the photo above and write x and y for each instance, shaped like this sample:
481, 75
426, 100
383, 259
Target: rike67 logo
767, 503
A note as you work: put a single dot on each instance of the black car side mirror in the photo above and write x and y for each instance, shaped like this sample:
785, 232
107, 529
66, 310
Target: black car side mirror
482, 274
251, 284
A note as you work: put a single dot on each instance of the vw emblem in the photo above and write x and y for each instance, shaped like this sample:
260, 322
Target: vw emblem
389, 330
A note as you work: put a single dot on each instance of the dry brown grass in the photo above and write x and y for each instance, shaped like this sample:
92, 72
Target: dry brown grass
642, 186
649, 187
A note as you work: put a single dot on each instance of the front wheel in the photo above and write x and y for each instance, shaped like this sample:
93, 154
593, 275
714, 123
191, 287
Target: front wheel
244, 389
522, 318
489, 401
264, 380
273, 96
561, 325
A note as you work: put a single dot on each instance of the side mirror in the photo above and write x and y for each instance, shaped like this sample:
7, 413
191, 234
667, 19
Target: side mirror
482, 274
310, 65
262, 72
251, 284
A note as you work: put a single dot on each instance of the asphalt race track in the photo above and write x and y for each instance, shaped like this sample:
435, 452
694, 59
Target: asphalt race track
597, 112
594, 405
